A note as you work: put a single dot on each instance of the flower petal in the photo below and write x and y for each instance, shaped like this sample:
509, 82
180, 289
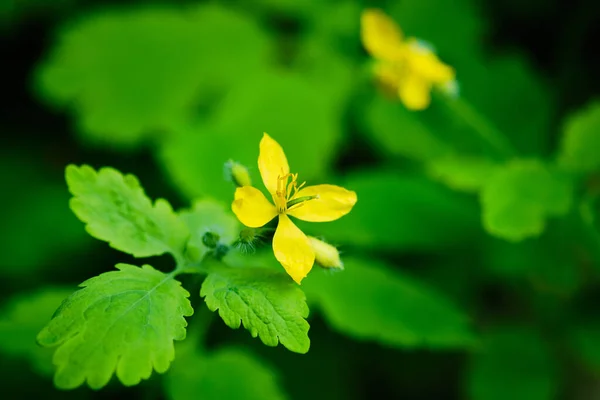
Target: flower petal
332, 203
414, 92
272, 162
380, 35
252, 207
292, 249
426, 64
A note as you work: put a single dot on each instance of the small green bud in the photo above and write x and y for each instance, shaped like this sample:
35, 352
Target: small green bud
220, 251
238, 173
248, 239
211, 239
326, 255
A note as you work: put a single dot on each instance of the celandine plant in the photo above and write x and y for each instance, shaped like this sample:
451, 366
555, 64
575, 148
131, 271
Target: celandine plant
125, 321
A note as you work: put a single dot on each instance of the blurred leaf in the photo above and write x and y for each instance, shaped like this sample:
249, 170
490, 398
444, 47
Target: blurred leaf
509, 93
130, 73
499, 87
208, 215
453, 28
370, 302
116, 210
468, 174
22, 318
514, 364
289, 107
399, 132
14, 11
400, 211
581, 140
585, 341
549, 261
268, 303
225, 374
517, 199
123, 321
37, 225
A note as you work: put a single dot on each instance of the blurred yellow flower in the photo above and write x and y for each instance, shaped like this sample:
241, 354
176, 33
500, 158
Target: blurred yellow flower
407, 67
320, 203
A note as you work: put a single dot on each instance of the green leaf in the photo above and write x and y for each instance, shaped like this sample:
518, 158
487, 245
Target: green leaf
515, 99
210, 376
517, 199
549, 261
130, 73
194, 155
368, 301
22, 318
37, 226
208, 215
468, 174
268, 303
400, 211
453, 28
515, 364
123, 321
585, 341
581, 140
116, 210
400, 132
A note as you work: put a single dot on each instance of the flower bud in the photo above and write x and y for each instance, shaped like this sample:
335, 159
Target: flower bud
248, 239
326, 255
211, 239
238, 173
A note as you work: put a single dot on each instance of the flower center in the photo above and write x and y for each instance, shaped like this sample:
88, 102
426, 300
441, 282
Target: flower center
287, 188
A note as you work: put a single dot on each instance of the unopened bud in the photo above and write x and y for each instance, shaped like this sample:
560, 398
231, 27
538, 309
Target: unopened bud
220, 251
238, 173
248, 239
211, 239
326, 255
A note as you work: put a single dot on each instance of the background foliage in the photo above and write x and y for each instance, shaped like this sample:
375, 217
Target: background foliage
469, 274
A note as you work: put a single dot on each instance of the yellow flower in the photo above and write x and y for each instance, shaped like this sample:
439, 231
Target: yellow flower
408, 67
320, 203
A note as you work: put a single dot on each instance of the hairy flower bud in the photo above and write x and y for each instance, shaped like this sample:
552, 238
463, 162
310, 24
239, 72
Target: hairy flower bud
326, 255
211, 239
238, 173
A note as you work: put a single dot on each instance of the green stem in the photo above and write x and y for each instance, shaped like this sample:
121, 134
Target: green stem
481, 125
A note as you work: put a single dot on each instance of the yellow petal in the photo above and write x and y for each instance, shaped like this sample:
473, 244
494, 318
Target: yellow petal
272, 162
414, 92
388, 77
252, 207
380, 35
292, 249
427, 65
332, 203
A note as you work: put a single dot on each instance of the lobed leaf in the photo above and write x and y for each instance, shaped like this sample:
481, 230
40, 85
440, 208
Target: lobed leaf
520, 196
127, 74
368, 301
121, 322
267, 302
116, 210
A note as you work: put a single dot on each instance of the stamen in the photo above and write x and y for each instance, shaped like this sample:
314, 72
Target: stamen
299, 201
